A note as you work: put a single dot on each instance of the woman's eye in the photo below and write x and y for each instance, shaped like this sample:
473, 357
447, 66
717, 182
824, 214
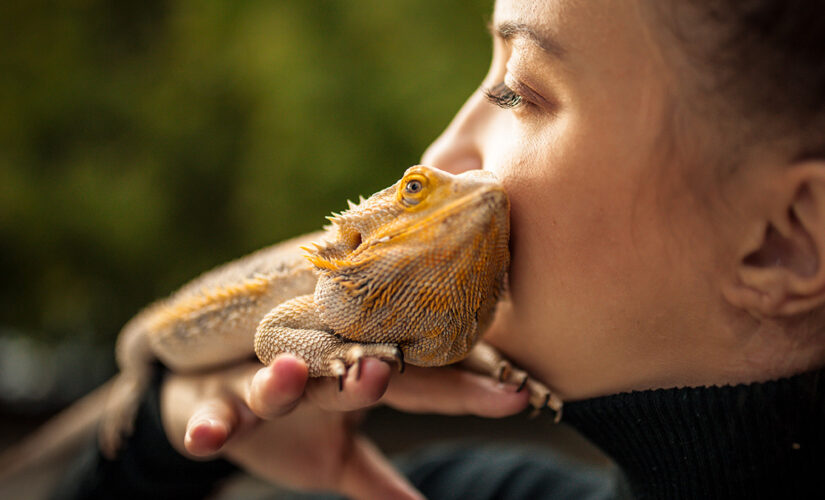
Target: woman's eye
503, 96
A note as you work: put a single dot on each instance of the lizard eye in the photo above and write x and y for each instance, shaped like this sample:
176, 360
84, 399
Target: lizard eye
413, 189
414, 186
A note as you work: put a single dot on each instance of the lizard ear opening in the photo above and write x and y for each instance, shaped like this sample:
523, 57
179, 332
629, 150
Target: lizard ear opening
349, 239
355, 240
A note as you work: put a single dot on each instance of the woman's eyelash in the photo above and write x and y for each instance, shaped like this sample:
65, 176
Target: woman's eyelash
503, 96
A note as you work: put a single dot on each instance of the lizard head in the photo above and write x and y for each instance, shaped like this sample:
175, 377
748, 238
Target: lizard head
419, 207
426, 256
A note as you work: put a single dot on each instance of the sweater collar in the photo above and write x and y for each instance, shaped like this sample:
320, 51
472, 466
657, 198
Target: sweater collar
758, 440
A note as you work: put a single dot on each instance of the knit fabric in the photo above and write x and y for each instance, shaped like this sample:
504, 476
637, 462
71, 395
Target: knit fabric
760, 440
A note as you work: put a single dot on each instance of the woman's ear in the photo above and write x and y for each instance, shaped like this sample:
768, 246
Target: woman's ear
781, 270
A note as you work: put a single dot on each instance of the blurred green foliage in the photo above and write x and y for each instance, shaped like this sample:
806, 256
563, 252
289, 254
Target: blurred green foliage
142, 142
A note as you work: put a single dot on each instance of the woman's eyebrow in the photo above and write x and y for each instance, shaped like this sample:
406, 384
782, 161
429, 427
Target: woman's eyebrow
508, 30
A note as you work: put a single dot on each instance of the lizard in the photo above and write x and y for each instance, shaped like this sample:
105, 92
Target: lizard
411, 274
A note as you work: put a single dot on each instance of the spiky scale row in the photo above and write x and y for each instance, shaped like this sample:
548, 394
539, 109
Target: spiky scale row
220, 298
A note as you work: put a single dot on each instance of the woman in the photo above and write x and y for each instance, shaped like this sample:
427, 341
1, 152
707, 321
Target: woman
666, 170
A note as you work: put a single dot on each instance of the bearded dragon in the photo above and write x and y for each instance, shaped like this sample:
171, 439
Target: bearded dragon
410, 275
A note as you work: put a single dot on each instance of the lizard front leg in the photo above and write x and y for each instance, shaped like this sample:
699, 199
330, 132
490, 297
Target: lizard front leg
487, 360
295, 327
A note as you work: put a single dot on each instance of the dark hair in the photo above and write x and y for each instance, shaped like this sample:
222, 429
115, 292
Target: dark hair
764, 58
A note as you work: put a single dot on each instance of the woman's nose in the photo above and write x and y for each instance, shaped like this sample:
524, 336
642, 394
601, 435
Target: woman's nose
459, 147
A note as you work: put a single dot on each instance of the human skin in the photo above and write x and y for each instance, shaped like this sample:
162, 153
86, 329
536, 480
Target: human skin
637, 261
279, 425
609, 289
627, 251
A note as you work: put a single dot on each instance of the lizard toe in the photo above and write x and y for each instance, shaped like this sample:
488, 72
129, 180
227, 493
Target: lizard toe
541, 397
389, 353
512, 375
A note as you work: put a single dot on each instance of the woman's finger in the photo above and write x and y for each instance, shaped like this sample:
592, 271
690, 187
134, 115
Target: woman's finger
201, 412
448, 391
198, 417
275, 389
452, 391
210, 426
367, 474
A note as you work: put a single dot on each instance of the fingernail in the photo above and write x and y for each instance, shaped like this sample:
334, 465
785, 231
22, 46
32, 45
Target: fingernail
207, 423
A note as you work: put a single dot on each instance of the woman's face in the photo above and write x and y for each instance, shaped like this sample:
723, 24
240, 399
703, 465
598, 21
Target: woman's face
612, 282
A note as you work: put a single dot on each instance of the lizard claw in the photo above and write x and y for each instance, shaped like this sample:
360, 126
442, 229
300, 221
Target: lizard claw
504, 369
358, 368
354, 357
523, 383
399, 358
339, 370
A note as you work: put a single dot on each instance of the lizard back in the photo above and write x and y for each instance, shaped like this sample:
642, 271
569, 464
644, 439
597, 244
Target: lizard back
223, 307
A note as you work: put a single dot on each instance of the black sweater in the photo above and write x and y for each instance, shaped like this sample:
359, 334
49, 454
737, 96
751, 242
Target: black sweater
761, 440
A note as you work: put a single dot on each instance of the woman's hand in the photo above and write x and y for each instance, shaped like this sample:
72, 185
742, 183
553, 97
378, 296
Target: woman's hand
300, 433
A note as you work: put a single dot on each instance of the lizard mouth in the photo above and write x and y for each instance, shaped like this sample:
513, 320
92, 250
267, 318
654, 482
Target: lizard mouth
490, 201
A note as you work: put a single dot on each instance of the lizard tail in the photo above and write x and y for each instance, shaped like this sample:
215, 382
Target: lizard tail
58, 437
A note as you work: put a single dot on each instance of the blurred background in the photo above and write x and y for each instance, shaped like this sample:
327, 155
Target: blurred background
143, 142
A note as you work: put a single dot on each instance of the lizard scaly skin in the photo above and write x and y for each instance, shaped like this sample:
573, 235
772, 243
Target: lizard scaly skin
411, 274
